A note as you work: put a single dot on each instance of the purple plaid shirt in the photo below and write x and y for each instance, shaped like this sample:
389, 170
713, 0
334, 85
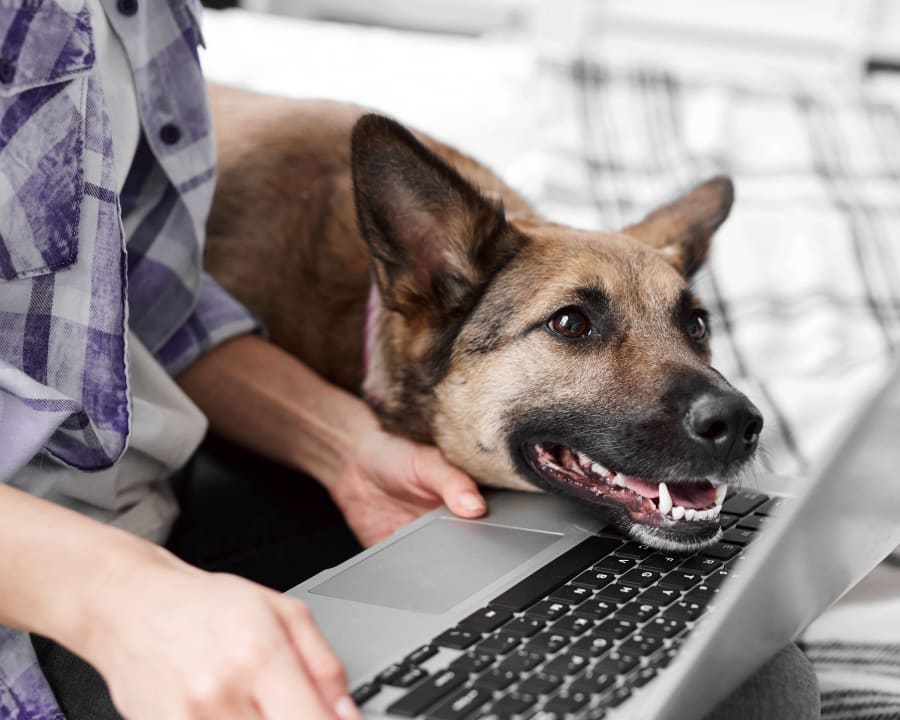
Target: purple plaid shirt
71, 282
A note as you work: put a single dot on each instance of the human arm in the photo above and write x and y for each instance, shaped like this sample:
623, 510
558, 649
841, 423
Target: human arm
259, 396
170, 640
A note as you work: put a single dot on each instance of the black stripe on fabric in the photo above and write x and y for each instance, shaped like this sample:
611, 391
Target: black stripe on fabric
142, 166
101, 193
148, 231
36, 343
823, 170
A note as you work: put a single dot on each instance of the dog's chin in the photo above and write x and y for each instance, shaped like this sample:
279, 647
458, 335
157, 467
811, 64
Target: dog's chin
673, 516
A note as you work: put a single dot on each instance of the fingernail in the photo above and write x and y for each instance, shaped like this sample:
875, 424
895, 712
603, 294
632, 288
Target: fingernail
471, 502
346, 709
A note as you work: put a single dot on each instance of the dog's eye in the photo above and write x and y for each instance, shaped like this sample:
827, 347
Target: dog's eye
571, 323
697, 328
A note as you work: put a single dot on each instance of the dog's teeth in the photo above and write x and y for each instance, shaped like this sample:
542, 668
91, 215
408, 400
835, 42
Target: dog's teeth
690, 514
714, 511
721, 491
598, 469
702, 515
665, 499
582, 458
677, 512
619, 480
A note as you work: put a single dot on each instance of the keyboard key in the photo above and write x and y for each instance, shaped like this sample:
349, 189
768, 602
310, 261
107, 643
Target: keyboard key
615, 663
618, 593
525, 626
571, 594
497, 679
726, 521
640, 645
662, 563
420, 655
486, 619
773, 505
471, 663
557, 571
364, 693
739, 536
540, 684
594, 579
568, 663
680, 579
591, 681
700, 564
614, 628
410, 677
717, 578
460, 704
618, 696
722, 551
509, 705
573, 625
640, 577
456, 638
752, 522
596, 609
521, 661
663, 627
701, 594
659, 596
643, 676
684, 610
616, 564
498, 644
638, 611
636, 551
427, 693
741, 502
594, 646
547, 642
391, 673
549, 609
566, 702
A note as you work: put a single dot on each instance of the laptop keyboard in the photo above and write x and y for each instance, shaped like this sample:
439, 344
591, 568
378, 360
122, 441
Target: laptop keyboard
576, 637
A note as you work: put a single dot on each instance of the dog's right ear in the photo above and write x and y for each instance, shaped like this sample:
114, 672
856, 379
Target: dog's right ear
433, 237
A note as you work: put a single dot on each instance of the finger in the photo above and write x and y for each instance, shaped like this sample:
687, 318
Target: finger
458, 491
285, 691
318, 659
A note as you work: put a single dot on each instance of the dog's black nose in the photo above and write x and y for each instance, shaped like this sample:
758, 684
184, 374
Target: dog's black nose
726, 425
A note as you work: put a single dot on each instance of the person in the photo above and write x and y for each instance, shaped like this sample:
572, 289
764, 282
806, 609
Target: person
116, 350
112, 342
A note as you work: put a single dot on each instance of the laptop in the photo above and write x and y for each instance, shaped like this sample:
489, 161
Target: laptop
541, 610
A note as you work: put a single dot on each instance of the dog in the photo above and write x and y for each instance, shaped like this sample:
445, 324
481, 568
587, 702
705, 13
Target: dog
535, 356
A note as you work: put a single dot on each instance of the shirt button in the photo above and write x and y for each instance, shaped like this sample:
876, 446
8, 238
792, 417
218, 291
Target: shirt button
170, 134
127, 7
7, 71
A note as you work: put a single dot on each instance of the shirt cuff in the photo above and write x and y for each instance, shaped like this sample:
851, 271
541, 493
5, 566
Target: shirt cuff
217, 317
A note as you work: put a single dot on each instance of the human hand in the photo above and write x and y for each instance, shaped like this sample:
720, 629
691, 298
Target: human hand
390, 481
183, 644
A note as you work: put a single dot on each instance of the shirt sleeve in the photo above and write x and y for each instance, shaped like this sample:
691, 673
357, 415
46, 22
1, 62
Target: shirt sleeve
217, 317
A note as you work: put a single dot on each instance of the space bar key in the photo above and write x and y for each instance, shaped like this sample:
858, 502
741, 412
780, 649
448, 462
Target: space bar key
528, 591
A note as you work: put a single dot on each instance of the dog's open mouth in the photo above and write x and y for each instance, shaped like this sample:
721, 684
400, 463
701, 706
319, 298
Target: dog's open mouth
683, 515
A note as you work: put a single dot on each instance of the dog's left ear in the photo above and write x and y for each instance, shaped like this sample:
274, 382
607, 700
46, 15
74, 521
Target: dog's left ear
434, 238
683, 229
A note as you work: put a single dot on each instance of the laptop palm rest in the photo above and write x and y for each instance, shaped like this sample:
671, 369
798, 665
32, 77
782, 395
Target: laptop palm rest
437, 566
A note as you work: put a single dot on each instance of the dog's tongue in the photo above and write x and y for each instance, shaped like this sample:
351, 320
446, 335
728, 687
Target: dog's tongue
688, 495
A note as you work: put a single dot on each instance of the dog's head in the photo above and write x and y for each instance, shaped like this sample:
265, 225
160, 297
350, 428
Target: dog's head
536, 355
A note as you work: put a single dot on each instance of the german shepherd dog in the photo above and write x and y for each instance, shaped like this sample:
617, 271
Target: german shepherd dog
532, 354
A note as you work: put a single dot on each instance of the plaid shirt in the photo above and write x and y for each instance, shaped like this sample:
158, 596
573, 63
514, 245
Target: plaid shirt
70, 283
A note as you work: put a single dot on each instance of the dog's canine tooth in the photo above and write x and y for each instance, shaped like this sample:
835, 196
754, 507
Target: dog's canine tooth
619, 480
598, 469
665, 499
678, 512
721, 491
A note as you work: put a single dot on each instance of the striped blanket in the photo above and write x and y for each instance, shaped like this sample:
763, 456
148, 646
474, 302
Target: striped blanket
804, 278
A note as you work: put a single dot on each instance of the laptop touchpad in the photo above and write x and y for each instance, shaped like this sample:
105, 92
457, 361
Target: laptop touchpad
437, 566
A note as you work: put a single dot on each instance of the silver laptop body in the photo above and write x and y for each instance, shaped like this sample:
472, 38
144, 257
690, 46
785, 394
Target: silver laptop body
384, 603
